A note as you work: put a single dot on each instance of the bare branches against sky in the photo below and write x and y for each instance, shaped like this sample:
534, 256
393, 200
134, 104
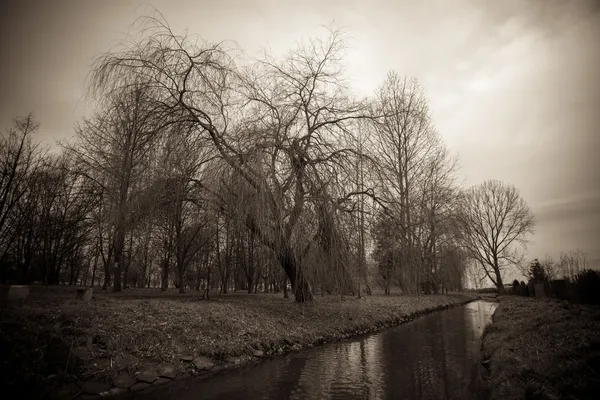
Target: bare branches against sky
513, 86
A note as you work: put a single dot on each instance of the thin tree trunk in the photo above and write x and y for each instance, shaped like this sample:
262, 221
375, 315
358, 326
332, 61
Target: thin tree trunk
119, 245
181, 282
128, 264
165, 275
285, 289
94, 269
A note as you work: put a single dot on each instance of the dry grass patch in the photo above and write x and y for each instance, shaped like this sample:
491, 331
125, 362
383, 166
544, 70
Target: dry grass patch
543, 349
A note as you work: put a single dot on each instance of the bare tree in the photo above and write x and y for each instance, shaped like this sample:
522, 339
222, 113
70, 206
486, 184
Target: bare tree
415, 180
111, 150
290, 110
495, 221
54, 224
571, 263
19, 158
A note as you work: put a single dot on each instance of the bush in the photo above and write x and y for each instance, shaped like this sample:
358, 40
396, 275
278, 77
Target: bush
587, 286
523, 291
536, 272
516, 287
561, 289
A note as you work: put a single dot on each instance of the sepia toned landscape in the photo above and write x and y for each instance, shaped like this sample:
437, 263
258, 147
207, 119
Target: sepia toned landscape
206, 200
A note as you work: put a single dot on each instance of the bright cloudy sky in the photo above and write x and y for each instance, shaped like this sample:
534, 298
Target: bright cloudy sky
513, 84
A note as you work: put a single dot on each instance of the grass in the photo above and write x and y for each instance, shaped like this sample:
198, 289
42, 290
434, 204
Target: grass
543, 349
52, 329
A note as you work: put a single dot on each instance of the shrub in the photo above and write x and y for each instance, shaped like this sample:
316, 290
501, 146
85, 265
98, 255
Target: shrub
516, 287
587, 286
561, 289
523, 291
536, 272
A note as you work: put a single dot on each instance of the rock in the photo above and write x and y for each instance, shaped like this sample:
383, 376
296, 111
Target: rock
103, 363
115, 391
123, 380
166, 370
18, 292
85, 294
186, 358
91, 387
125, 360
161, 381
82, 353
203, 363
147, 375
233, 360
139, 386
258, 353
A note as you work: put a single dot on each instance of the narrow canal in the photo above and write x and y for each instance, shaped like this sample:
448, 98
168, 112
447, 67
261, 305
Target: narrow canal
434, 357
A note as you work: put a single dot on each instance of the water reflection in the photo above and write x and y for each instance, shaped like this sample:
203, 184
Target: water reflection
434, 357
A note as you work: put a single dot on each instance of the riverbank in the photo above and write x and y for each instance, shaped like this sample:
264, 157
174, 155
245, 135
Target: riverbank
542, 349
128, 341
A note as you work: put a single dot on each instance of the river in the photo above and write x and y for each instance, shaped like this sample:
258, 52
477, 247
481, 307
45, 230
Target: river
433, 357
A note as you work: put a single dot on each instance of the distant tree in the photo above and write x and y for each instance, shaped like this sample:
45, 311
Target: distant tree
571, 263
495, 220
523, 289
111, 150
53, 226
515, 287
404, 139
536, 271
19, 158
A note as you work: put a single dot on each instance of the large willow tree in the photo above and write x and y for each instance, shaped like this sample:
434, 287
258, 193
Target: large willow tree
279, 124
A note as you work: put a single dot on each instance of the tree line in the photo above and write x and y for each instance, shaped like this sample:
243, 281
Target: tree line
202, 168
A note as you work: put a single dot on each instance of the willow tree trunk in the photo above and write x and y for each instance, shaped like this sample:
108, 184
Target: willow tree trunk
293, 270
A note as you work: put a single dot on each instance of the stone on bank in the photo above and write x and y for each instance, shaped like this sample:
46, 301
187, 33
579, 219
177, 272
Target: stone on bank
18, 292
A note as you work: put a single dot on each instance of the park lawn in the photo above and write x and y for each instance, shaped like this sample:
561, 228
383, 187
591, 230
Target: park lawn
52, 332
543, 349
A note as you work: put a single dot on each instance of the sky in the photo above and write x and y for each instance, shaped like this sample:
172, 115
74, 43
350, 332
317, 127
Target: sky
513, 85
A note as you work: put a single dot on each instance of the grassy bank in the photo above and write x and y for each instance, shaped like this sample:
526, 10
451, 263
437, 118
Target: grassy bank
543, 349
54, 340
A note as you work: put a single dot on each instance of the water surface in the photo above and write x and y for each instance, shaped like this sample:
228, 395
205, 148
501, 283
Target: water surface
434, 357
